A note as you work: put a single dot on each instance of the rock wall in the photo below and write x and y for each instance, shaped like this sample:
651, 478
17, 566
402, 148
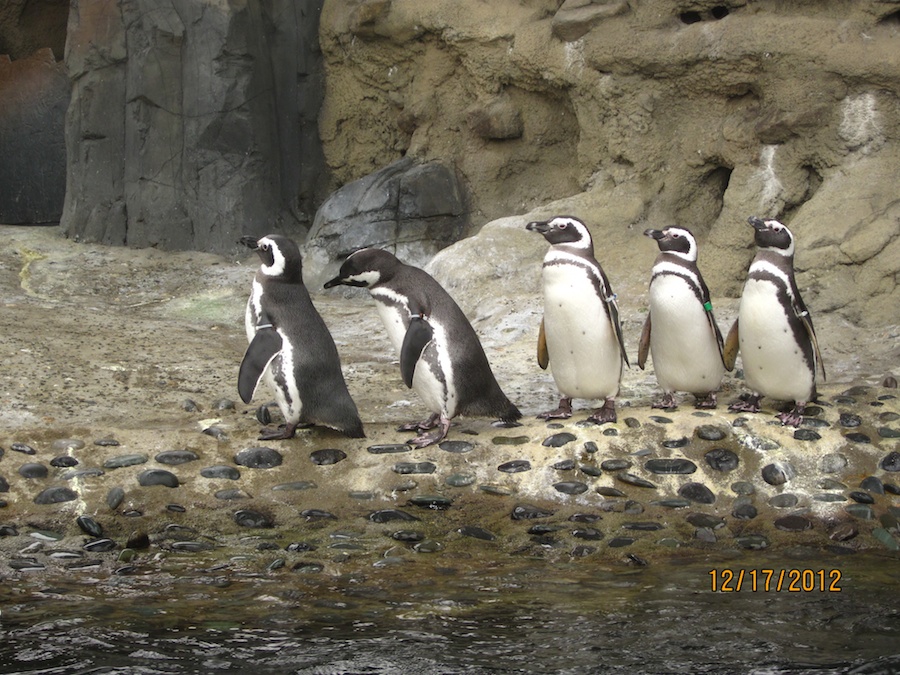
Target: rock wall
642, 114
192, 123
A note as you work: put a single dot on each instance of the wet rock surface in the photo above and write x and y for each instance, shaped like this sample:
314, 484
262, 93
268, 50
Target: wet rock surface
142, 482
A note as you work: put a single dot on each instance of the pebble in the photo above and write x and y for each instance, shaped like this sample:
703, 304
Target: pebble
643, 526
248, 518
887, 432
295, 486
609, 491
114, 497
123, 461
673, 503
434, 502
844, 532
615, 464
223, 404
176, 457
861, 511
220, 471
758, 443
807, 435
564, 465
406, 468
670, 466
857, 437
83, 473
89, 526
872, 484
710, 432
428, 546
388, 448
830, 484
588, 534
107, 443
311, 567
849, 420
300, 547
721, 459
390, 515
216, 432
63, 461
590, 447
833, 462
456, 447
786, 500
697, 492
318, 514
498, 490
153, 477
631, 479
570, 487
515, 466
752, 542
892, 488
509, 440
56, 495
23, 448
189, 405
529, 512
558, 440
829, 497
589, 470
476, 533
659, 419
632, 423
259, 458
705, 520
891, 462
676, 442
263, 416
33, 470
778, 473
885, 538
585, 517
743, 487
460, 480
620, 542
861, 497
744, 512
99, 546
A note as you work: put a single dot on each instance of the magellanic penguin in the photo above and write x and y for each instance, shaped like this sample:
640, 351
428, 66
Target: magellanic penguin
440, 354
774, 330
291, 348
580, 336
680, 332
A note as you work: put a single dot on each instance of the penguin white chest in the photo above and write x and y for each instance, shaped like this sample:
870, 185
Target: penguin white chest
585, 357
683, 344
774, 364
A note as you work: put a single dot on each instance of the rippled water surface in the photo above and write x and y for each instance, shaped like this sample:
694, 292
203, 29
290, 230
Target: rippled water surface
520, 616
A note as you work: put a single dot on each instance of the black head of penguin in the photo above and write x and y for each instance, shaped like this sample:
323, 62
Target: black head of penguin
562, 230
279, 255
771, 234
674, 240
365, 268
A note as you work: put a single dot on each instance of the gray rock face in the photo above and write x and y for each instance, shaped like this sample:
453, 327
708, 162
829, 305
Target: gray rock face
193, 123
34, 92
411, 209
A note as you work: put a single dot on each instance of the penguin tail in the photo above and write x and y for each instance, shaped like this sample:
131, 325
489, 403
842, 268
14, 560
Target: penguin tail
510, 414
354, 431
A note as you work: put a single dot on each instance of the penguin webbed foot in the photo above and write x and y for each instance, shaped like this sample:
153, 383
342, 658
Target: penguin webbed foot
424, 425
794, 417
563, 412
280, 433
604, 414
432, 437
667, 402
707, 402
749, 404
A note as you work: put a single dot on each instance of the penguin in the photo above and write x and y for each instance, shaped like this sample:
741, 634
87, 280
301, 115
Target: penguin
440, 354
580, 337
774, 331
291, 348
685, 341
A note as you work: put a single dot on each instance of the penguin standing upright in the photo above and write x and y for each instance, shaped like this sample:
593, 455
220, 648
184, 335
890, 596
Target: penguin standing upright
774, 330
291, 347
580, 337
680, 331
440, 354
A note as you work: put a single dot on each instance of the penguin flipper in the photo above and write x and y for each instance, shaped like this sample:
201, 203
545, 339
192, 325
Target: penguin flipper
264, 347
617, 327
418, 335
732, 344
543, 355
807, 324
644, 345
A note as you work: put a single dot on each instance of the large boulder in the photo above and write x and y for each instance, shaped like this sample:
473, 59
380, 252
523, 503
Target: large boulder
409, 208
35, 93
192, 123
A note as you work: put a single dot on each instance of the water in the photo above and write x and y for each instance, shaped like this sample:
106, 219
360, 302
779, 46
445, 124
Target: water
467, 616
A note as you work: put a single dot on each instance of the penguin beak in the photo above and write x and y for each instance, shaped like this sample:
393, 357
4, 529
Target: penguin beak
249, 241
654, 234
758, 223
331, 283
542, 228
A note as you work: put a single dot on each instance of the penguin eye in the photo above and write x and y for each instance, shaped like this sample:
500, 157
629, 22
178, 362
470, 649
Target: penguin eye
264, 247
563, 226
675, 235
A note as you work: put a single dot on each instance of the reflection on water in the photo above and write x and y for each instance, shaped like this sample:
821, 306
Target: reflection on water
522, 616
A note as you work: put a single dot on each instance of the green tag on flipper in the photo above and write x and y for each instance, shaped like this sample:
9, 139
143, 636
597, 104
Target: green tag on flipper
707, 306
